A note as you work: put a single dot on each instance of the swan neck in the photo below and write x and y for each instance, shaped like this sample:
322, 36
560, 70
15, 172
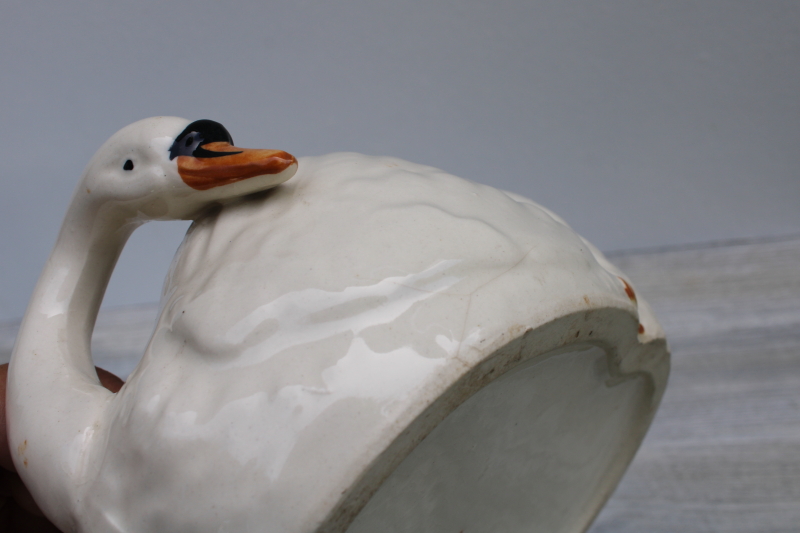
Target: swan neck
55, 405
76, 275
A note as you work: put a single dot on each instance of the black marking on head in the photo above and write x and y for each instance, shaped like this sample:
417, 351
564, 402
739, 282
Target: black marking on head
128, 165
200, 132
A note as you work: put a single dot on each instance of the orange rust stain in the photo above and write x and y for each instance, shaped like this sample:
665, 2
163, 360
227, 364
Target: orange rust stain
203, 173
25, 462
22, 447
641, 329
628, 290
586, 299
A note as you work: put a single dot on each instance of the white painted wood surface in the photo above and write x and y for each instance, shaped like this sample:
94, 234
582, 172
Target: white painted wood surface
723, 454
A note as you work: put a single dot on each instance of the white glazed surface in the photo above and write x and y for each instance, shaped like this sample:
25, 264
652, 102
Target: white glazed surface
368, 280
302, 330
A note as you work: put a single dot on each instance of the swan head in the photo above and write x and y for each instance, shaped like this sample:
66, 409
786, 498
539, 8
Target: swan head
168, 168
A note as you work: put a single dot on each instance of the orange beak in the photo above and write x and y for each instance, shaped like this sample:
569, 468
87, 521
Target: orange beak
203, 173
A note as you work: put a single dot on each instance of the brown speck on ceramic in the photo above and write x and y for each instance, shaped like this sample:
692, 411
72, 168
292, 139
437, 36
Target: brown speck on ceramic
641, 329
628, 290
21, 450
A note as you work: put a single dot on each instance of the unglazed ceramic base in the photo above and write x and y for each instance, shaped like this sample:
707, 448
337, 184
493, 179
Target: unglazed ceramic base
537, 449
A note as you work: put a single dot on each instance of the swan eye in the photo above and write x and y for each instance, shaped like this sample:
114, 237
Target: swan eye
128, 165
189, 141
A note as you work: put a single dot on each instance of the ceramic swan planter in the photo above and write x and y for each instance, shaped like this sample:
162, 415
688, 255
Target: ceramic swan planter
373, 346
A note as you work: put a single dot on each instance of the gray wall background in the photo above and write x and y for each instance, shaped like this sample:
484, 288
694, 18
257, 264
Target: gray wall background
641, 123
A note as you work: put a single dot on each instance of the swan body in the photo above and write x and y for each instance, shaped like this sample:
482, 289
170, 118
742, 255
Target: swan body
309, 338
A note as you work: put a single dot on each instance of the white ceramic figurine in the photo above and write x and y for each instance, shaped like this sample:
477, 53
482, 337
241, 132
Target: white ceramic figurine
372, 346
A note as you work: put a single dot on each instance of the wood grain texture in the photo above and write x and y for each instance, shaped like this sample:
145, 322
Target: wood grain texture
723, 454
